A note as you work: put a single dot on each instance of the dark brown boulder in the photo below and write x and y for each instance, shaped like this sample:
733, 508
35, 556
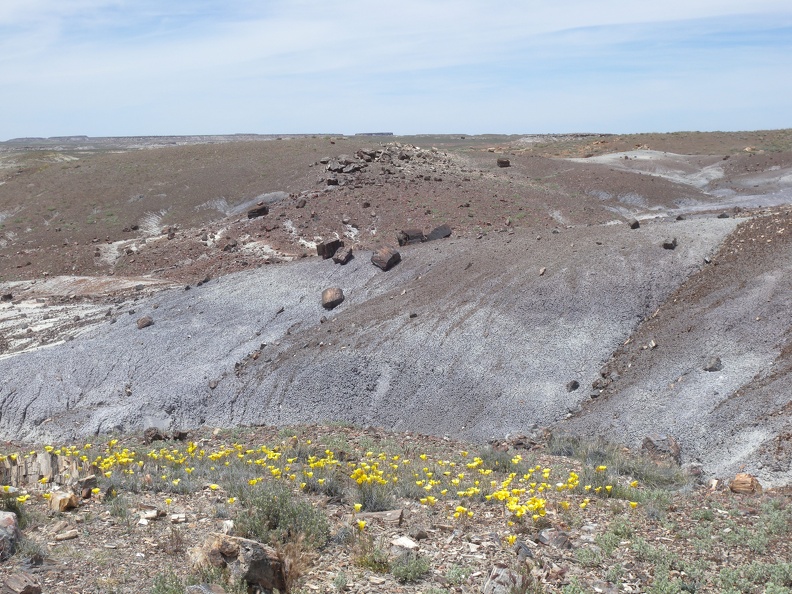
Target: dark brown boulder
144, 322
409, 236
503, 162
332, 297
385, 258
440, 232
661, 446
21, 583
327, 249
153, 434
343, 255
670, 244
246, 560
258, 211
633, 223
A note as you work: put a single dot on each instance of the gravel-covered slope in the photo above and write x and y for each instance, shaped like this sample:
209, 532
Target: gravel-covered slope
736, 310
490, 351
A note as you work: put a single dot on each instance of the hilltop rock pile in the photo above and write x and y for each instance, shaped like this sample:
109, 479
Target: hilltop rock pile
393, 159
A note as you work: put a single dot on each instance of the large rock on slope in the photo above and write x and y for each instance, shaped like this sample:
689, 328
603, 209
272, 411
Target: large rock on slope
332, 297
328, 248
385, 258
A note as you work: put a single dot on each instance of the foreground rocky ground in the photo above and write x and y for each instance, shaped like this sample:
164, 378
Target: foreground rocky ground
363, 510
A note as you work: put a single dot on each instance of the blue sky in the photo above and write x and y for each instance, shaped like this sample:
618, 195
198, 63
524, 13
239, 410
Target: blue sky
118, 67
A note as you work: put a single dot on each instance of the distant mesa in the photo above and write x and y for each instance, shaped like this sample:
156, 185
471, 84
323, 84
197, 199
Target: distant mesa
374, 134
68, 138
26, 140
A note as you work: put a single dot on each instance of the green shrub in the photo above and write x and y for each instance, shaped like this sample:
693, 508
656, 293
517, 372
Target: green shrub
608, 542
496, 459
119, 508
619, 461
340, 582
663, 584
775, 518
376, 497
371, 554
410, 567
168, 583
760, 573
330, 482
706, 515
30, 551
573, 587
621, 528
589, 557
458, 574
219, 576
273, 514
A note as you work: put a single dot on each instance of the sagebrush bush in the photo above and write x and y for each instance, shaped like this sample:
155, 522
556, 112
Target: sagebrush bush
370, 554
168, 583
410, 567
599, 452
272, 513
376, 497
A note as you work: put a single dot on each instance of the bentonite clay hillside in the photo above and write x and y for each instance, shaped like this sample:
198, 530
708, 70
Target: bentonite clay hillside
543, 308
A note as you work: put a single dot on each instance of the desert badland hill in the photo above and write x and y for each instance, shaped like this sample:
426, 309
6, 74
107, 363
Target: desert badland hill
601, 285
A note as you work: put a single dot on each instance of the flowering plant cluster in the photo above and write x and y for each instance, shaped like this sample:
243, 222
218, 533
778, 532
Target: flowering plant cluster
457, 486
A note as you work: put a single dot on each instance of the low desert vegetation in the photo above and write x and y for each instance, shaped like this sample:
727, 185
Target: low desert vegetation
294, 492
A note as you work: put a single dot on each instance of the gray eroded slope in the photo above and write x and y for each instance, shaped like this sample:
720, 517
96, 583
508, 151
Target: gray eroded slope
738, 416
489, 353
